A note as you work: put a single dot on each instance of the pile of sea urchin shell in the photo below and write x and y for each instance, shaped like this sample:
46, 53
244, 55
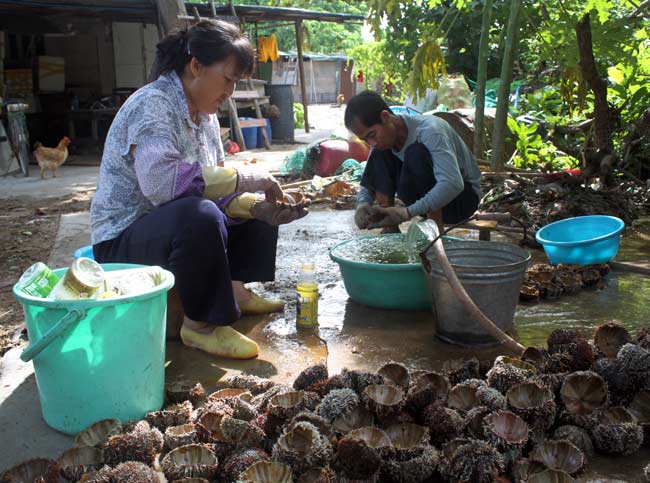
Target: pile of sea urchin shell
538, 418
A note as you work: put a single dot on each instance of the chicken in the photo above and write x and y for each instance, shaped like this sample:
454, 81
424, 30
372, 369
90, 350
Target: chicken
340, 99
51, 158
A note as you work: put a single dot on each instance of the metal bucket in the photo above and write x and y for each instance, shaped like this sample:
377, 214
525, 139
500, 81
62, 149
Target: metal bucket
492, 273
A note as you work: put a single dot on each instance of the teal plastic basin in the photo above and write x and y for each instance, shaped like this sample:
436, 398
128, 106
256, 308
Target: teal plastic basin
397, 286
97, 359
582, 240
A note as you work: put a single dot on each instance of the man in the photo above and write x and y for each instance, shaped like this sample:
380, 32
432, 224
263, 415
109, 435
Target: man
419, 158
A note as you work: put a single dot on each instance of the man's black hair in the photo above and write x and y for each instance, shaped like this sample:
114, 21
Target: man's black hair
366, 107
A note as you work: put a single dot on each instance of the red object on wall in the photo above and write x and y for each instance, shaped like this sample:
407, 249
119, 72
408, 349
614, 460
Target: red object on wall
360, 76
334, 151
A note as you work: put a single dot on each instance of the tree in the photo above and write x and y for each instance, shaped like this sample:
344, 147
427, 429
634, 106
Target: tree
556, 86
503, 98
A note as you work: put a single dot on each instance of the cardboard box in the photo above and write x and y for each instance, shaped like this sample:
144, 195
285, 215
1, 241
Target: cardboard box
19, 82
51, 74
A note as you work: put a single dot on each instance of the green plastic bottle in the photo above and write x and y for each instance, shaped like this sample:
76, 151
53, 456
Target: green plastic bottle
307, 297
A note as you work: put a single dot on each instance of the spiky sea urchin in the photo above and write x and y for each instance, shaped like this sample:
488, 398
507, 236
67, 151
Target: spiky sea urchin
534, 403
302, 447
584, 392
310, 376
243, 409
426, 389
491, 398
473, 422
357, 459
358, 381
254, 384
610, 337
577, 436
635, 361
142, 444
240, 433
234, 464
261, 401
617, 432
620, 384
559, 455
507, 373
39, 470
174, 415
337, 403
133, 472
323, 425
444, 423
409, 467
468, 369
474, 461
572, 342
505, 430
323, 388
191, 461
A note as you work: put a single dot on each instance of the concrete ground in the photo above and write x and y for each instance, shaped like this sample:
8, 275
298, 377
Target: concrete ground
349, 335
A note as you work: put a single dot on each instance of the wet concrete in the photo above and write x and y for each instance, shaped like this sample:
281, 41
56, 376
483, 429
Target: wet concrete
349, 335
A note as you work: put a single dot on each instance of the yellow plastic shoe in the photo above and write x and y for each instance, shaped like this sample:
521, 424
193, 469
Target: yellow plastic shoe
257, 305
222, 342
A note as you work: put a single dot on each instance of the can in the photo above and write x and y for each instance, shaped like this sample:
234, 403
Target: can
82, 280
38, 280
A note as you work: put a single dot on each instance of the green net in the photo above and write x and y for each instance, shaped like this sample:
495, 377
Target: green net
301, 162
351, 169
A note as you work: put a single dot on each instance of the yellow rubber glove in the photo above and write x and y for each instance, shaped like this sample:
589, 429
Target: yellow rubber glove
219, 181
240, 206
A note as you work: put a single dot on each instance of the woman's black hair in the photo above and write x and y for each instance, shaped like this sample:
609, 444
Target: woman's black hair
209, 41
366, 107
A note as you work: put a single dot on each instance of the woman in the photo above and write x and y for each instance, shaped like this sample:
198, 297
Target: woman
164, 197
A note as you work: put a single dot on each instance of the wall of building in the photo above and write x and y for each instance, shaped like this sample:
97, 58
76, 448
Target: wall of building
321, 79
88, 54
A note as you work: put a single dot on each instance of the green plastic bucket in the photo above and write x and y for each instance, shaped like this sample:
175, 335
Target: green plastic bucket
97, 359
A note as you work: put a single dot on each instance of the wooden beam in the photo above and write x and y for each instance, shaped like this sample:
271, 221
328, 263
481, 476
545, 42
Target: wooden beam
301, 67
251, 94
234, 119
640, 267
253, 123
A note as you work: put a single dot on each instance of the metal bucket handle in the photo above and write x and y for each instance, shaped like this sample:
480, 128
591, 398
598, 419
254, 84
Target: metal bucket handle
66, 322
498, 217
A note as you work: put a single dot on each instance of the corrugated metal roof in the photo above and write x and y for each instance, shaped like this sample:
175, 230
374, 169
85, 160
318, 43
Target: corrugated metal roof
258, 13
145, 10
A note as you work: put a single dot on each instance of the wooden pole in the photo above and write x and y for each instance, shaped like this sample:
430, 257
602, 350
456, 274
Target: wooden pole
481, 79
168, 13
301, 67
234, 118
501, 119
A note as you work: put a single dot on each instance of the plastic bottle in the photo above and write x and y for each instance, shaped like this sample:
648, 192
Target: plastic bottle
307, 297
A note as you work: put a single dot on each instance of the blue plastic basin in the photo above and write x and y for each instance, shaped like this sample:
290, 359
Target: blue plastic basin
583, 240
86, 252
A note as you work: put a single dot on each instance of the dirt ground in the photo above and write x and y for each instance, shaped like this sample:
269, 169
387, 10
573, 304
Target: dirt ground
29, 227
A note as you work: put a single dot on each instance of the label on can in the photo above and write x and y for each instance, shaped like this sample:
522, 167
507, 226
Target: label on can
307, 308
38, 280
82, 280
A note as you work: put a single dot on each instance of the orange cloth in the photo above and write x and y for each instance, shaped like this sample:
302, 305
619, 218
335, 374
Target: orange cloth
267, 48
